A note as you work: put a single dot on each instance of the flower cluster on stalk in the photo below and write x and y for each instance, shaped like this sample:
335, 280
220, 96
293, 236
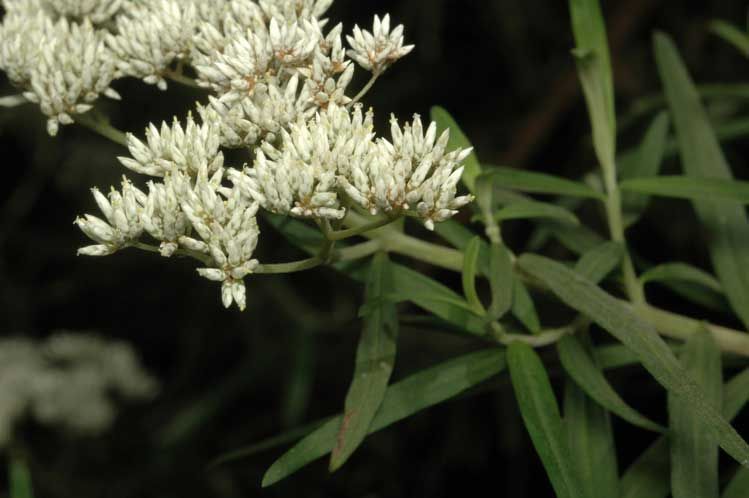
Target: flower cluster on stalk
279, 80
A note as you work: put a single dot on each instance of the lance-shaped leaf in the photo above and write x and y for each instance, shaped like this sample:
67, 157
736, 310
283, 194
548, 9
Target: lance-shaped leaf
598, 262
540, 412
20, 478
694, 451
594, 70
583, 370
436, 298
591, 441
375, 357
523, 307
402, 399
500, 281
644, 161
534, 209
725, 221
470, 269
640, 336
539, 183
732, 34
648, 476
458, 139
687, 187
681, 272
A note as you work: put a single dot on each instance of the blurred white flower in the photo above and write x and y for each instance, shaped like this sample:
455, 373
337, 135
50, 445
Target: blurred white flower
68, 381
96, 11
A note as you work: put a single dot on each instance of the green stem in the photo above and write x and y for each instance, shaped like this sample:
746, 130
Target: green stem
98, 124
203, 258
364, 90
180, 78
358, 230
293, 267
323, 257
357, 251
616, 228
681, 327
544, 338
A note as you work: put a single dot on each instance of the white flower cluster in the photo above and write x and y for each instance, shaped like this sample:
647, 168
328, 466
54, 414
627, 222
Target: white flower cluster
63, 66
96, 11
278, 79
68, 381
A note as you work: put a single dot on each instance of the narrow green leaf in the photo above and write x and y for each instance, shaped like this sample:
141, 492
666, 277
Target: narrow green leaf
732, 35
591, 441
579, 240
436, 298
736, 394
454, 232
735, 397
539, 183
648, 476
458, 139
402, 399
594, 70
694, 451
615, 356
682, 272
523, 307
20, 478
645, 161
687, 187
598, 262
624, 324
267, 444
583, 370
540, 412
738, 485
375, 357
702, 158
500, 281
535, 209
470, 268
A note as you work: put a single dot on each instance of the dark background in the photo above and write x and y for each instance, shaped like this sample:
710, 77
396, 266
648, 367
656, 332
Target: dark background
504, 70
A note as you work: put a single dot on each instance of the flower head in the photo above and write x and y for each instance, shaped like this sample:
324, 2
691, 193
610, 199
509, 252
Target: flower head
375, 51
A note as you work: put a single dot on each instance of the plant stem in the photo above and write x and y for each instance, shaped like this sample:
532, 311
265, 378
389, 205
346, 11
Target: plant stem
358, 251
98, 124
293, 267
544, 338
180, 78
323, 257
616, 228
681, 327
364, 90
203, 258
358, 230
